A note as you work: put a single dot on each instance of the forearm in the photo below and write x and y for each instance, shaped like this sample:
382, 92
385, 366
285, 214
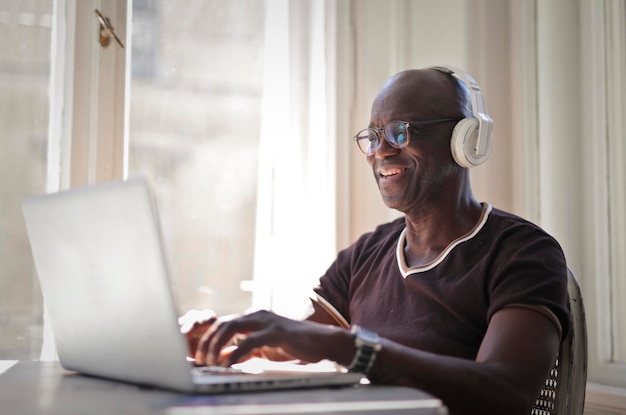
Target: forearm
465, 386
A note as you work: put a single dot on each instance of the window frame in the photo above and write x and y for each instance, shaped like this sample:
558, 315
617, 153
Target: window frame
604, 69
88, 133
87, 140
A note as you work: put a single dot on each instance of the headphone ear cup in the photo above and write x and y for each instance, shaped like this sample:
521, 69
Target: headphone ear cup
463, 143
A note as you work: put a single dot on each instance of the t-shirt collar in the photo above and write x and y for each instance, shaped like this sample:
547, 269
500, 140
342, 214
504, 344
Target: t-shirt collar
406, 271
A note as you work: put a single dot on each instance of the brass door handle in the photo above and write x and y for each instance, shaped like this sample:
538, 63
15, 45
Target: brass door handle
106, 31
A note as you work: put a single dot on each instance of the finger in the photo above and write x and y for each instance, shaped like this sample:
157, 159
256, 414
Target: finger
230, 330
202, 353
248, 347
226, 334
202, 346
194, 335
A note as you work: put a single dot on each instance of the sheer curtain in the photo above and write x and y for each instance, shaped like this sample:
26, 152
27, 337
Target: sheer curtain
295, 223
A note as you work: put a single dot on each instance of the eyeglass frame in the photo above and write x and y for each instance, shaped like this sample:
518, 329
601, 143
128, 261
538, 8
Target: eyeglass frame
407, 124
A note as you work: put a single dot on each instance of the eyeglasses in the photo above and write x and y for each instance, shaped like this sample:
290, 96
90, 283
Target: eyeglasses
396, 133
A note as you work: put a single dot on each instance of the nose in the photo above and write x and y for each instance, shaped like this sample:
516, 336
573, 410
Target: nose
385, 150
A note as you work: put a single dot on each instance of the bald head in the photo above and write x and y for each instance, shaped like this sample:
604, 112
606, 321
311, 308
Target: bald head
422, 94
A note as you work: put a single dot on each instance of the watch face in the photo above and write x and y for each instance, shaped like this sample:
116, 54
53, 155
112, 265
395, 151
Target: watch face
368, 338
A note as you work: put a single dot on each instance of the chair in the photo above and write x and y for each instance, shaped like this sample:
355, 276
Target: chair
564, 390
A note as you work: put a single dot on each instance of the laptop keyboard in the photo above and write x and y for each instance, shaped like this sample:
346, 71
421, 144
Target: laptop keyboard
214, 370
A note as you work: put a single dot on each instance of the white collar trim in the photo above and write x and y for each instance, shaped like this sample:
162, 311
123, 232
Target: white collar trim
406, 271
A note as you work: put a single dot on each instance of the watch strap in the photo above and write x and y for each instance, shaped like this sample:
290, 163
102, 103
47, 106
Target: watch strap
368, 345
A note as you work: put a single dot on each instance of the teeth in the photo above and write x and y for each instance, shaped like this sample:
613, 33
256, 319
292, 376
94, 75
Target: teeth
390, 172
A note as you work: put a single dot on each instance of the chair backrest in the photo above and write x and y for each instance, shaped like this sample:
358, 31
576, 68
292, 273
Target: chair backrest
564, 390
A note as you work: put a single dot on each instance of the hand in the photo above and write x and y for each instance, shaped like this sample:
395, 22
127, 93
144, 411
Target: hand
275, 337
193, 324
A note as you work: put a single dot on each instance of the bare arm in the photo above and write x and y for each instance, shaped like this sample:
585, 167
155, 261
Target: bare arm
517, 352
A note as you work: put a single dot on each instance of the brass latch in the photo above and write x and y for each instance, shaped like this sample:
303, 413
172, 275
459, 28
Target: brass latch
106, 31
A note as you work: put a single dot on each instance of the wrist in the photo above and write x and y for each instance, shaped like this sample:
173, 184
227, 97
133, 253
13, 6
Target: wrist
368, 345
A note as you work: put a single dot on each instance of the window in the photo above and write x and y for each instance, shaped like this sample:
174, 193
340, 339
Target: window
25, 30
230, 117
604, 141
197, 96
196, 92
603, 61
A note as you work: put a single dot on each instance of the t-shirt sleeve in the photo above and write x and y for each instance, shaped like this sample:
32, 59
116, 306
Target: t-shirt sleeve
530, 269
334, 285
361, 258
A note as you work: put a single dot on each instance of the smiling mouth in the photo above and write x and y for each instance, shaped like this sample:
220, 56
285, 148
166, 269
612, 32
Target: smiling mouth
391, 172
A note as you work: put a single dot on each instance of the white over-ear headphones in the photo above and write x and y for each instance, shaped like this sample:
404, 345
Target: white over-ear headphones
471, 138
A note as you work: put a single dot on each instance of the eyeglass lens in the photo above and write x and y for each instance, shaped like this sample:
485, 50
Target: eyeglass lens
395, 132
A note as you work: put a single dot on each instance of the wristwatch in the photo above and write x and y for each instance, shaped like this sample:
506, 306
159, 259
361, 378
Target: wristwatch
367, 345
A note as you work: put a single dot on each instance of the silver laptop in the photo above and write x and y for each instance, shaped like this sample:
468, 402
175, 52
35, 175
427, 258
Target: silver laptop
99, 257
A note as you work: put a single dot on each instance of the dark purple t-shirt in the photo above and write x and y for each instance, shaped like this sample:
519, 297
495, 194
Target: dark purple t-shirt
445, 306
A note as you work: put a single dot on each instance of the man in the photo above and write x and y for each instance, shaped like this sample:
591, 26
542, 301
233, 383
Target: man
456, 298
